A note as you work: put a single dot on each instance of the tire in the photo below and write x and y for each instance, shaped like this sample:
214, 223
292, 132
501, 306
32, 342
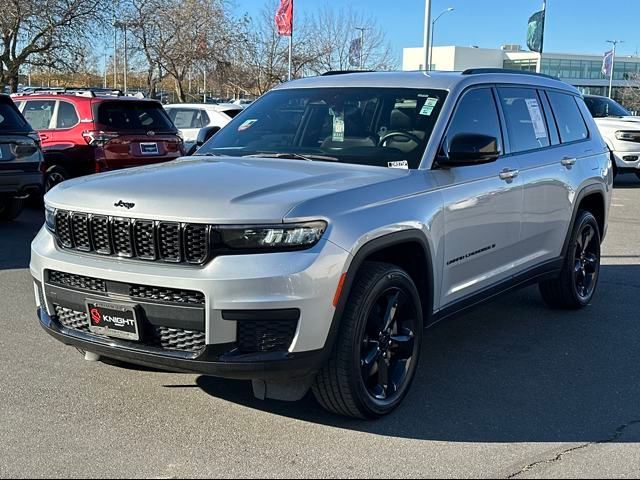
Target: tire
54, 176
10, 209
578, 280
365, 349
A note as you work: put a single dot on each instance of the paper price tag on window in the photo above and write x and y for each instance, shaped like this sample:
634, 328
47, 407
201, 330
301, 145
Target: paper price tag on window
338, 128
402, 164
247, 124
429, 105
536, 117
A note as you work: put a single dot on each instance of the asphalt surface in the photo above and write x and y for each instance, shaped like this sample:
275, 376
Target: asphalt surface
511, 390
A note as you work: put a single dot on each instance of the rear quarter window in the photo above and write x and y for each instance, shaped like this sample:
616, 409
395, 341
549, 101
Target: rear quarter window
134, 116
571, 124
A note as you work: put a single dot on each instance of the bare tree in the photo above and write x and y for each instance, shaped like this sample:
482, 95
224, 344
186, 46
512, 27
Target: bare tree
44, 33
331, 34
630, 95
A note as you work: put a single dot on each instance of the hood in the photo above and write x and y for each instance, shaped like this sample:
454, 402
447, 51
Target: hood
213, 189
619, 123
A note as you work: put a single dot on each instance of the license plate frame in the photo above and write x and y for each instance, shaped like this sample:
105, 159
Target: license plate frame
113, 319
149, 148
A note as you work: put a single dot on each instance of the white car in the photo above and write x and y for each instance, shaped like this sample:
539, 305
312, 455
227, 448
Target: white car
620, 130
190, 118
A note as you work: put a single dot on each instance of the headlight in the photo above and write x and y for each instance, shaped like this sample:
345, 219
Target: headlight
50, 218
272, 237
628, 136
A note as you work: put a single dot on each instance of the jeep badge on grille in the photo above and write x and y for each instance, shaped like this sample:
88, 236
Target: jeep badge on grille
126, 205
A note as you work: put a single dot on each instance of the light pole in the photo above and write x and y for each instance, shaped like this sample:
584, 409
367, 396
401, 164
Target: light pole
433, 28
427, 28
613, 63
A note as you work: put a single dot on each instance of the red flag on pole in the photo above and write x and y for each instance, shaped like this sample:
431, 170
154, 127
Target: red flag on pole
284, 18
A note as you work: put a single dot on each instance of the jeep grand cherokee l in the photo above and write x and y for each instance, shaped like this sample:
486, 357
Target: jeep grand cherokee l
313, 238
20, 160
87, 131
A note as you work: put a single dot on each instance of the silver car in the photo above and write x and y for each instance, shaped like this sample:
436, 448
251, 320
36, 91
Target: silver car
309, 243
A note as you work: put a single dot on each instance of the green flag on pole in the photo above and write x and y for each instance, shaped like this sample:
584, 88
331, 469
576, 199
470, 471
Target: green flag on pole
535, 33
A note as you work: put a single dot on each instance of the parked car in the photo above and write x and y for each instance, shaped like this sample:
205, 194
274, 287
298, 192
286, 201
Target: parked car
84, 132
190, 118
620, 130
312, 239
20, 160
243, 102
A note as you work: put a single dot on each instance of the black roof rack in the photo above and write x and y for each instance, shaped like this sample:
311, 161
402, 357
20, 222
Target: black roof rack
478, 71
79, 91
344, 72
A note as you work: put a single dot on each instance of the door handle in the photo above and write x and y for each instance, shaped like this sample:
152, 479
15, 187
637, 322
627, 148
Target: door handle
568, 162
508, 174
43, 136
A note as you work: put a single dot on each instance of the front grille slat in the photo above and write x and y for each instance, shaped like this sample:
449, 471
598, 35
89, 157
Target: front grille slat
148, 240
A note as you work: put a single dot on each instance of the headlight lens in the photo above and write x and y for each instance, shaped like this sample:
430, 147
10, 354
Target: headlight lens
628, 136
272, 237
50, 218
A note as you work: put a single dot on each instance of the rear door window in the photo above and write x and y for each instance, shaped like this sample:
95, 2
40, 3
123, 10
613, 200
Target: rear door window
134, 116
570, 122
10, 119
67, 116
39, 113
526, 124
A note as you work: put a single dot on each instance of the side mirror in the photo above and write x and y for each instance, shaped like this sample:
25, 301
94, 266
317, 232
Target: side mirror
203, 137
471, 149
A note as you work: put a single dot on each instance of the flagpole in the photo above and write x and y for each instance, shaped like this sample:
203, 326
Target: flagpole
613, 64
291, 44
544, 25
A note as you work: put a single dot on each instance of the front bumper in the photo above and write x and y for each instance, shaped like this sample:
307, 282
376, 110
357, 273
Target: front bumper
304, 281
627, 161
269, 366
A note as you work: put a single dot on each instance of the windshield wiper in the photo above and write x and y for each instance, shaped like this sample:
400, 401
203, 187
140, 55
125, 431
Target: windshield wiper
292, 156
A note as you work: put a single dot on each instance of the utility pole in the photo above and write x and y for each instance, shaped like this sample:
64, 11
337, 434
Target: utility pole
361, 59
115, 53
104, 83
427, 36
291, 46
126, 58
613, 64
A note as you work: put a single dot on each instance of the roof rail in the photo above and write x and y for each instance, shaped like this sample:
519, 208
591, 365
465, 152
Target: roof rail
80, 92
344, 72
478, 71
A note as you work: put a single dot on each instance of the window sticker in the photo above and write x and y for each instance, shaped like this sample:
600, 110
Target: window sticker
247, 124
338, 127
429, 105
402, 164
536, 117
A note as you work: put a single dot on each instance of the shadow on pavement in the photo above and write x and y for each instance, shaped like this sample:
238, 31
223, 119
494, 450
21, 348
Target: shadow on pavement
16, 237
511, 371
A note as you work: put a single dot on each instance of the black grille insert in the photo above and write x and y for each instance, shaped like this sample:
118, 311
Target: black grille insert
266, 336
148, 240
77, 281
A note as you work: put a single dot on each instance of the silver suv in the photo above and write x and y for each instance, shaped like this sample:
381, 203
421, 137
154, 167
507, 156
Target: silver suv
309, 242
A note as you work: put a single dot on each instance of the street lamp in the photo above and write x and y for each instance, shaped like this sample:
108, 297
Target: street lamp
433, 27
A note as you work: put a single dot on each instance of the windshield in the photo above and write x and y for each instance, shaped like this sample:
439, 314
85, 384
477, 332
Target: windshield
11, 120
601, 107
386, 127
134, 116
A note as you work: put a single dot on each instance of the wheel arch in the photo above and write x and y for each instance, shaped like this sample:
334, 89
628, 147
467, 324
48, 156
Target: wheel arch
398, 248
592, 198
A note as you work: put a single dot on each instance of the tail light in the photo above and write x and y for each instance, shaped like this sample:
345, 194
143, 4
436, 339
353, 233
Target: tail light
98, 139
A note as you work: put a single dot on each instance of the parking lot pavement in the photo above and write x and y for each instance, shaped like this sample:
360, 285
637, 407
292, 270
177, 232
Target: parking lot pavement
510, 390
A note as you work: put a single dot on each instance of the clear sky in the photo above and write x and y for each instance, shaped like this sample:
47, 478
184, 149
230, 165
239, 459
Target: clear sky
573, 26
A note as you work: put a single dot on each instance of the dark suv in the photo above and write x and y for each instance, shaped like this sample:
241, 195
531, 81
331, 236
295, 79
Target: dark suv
88, 131
20, 160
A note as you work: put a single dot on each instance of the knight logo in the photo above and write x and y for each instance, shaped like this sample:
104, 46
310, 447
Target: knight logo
126, 205
96, 317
